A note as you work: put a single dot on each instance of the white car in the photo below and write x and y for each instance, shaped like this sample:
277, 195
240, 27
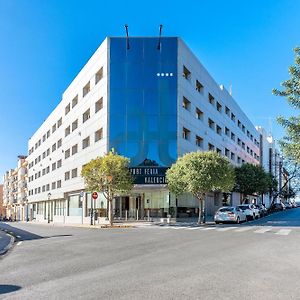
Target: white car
229, 214
250, 211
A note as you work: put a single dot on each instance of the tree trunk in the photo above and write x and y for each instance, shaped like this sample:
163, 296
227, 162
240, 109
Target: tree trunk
110, 212
201, 218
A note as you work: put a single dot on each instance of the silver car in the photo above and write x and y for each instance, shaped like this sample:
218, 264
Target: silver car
229, 214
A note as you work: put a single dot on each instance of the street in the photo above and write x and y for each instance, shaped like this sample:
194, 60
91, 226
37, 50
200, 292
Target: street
255, 260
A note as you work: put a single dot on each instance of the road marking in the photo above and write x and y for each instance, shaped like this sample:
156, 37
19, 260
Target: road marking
179, 227
243, 229
283, 232
263, 230
18, 236
195, 228
209, 228
226, 228
8, 234
19, 243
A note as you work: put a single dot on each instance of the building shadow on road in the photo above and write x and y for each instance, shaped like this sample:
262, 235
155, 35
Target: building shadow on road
8, 288
24, 235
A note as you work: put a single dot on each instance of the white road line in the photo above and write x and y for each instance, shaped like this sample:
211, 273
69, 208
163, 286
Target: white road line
195, 228
19, 243
179, 227
209, 228
263, 230
226, 228
283, 232
242, 229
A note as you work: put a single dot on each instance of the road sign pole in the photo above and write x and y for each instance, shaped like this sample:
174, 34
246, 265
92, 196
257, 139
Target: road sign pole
91, 210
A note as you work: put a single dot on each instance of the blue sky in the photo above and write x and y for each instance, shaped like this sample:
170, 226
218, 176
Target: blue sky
44, 44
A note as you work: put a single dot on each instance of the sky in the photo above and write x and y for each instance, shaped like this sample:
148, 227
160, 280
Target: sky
44, 44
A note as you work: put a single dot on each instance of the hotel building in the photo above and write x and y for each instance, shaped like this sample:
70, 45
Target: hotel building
152, 101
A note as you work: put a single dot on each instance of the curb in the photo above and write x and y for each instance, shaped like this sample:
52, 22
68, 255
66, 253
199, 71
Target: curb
9, 246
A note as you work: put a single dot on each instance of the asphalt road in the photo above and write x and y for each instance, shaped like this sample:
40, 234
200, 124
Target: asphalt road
256, 260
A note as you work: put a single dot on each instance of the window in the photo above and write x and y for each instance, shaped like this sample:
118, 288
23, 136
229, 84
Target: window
211, 99
59, 143
43, 172
232, 156
44, 154
243, 145
67, 131
219, 107
227, 111
48, 134
186, 103
47, 187
54, 128
243, 128
219, 130
67, 109
186, 133
251, 137
74, 149
239, 141
44, 137
251, 152
67, 153
86, 89
233, 117
53, 166
74, 125
199, 87
98, 134
239, 160
186, 73
48, 151
99, 105
227, 152
53, 186
86, 116
86, 142
211, 147
199, 114
47, 169
53, 147
74, 173
58, 184
248, 149
239, 124
59, 122
211, 124
75, 101
219, 151
248, 133
43, 188
99, 75
227, 131
232, 136
67, 175
59, 163
199, 141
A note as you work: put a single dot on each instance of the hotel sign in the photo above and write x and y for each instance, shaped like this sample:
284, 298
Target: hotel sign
149, 174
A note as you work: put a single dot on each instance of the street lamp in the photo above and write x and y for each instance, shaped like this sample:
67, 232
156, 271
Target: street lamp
49, 195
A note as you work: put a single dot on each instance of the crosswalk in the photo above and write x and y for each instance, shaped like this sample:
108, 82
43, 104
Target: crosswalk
254, 229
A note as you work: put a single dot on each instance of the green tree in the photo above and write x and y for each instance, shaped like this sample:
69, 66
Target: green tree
252, 179
110, 175
291, 91
199, 173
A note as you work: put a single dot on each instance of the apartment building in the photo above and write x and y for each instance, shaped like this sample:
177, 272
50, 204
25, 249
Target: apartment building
152, 101
15, 190
2, 208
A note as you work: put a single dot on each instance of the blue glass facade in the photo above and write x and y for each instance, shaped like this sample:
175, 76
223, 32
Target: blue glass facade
143, 99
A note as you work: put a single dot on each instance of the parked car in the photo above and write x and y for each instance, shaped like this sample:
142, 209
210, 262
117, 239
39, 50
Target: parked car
250, 211
288, 205
262, 210
278, 206
229, 214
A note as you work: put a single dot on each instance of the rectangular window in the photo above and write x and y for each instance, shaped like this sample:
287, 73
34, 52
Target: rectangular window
67, 175
211, 124
219, 151
43, 172
232, 156
48, 134
199, 141
227, 111
59, 163
99, 75
186, 73
58, 184
233, 117
67, 153
44, 154
59, 143
74, 173
48, 151
54, 128
74, 125
243, 145
43, 188
186, 133
99, 105
232, 136
199, 86
74, 149
98, 134
53, 147
86, 89
211, 99
239, 160
47, 187
211, 147
75, 101
219, 130
53, 166
86, 116
67, 131
227, 152
243, 128
199, 114
86, 142
219, 107
227, 131
44, 137
67, 109
59, 122
239, 124
239, 141
248, 133
186, 104
47, 169
53, 185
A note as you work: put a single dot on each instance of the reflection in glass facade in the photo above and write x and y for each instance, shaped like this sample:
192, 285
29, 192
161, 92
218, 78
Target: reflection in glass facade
143, 99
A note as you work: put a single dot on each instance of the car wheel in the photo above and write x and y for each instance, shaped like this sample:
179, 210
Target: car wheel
238, 220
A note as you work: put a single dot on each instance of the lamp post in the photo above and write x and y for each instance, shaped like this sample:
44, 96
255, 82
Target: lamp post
49, 195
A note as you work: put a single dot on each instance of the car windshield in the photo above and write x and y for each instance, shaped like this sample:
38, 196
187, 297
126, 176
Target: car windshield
224, 209
244, 207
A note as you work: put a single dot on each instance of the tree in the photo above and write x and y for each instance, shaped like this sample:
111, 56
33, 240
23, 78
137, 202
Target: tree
110, 175
291, 91
252, 179
199, 173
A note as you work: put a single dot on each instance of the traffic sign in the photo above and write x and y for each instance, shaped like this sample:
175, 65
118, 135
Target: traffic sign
95, 195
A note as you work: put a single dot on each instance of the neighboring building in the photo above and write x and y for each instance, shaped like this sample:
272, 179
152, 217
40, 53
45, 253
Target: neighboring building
15, 191
150, 102
2, 208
